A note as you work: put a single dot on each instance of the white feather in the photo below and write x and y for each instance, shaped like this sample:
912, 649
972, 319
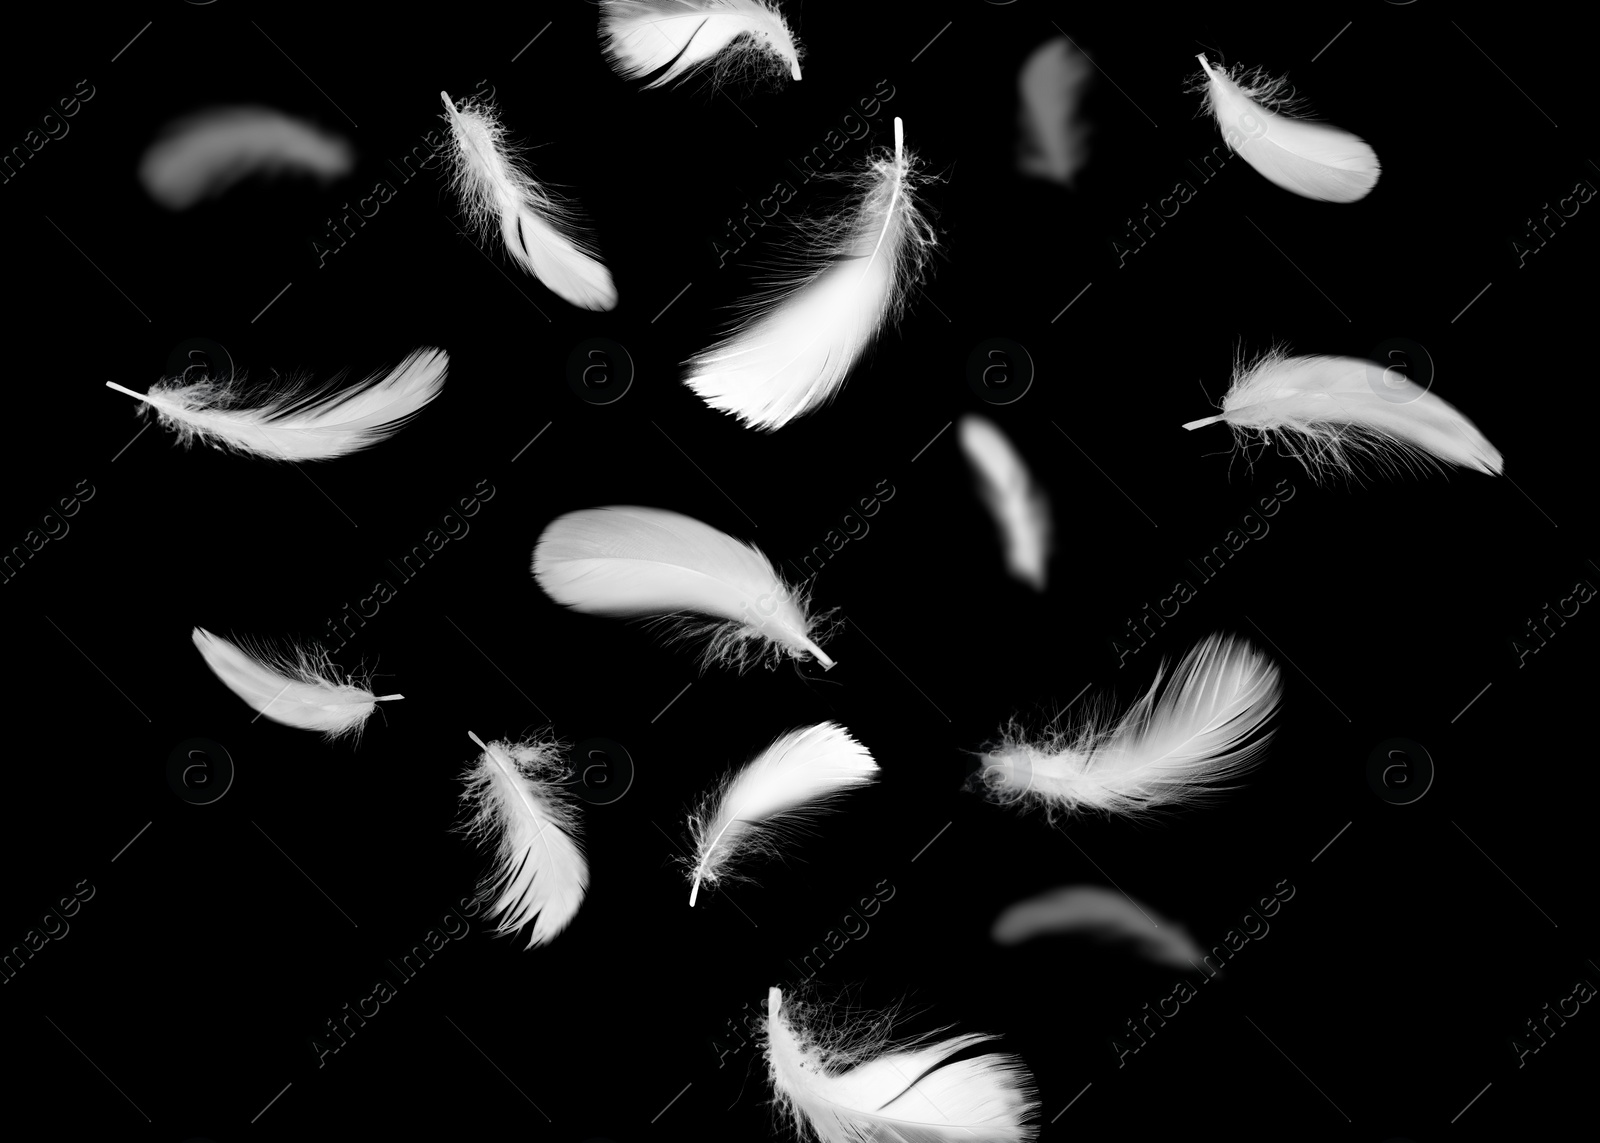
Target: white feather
797, 344
541, 232
300, 689
517, 806
682, 36
1173, 747
1054, 133
648, 562
1091, 910
1018, 505
1311, 159
754, 808
854, 1086
296, 421
1332, 413
206, 153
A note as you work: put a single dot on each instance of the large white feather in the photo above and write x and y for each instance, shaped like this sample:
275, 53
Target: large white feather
1173, 747
541, 232
1311, 159
295, 420
518, 807
1109, 916
798, 343
682, 36
754, 808
648, 562
300, 689
852, 1085
206, 153
1019, 506
1332, 413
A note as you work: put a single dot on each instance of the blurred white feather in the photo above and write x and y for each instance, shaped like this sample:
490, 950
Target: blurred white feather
1019, 506
1094, 911
680, 37
1054, 136
204, 154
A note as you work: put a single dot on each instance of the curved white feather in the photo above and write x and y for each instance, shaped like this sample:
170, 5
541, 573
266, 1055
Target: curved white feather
1173, 747
856, 1087
541, 232
1019, 507
753, 808
1331, 413
295, 421
1054, 134
1311, 159
797, 345
682, 36
517, 807
629, 561
300, 689
1092, 910
206, 153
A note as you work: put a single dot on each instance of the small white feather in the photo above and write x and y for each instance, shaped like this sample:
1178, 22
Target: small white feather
1173, 747
1311, 159
1092, 910
204, 154
679, 37
517, 806
754, 809
542, 233
1054, 134
852, 1085
648, 562
300, 689
1019, 506
1334, 413
296, 420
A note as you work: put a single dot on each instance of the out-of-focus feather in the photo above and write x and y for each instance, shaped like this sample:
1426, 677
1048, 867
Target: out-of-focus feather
1019, 507
1054, 142
680, 37
1094, 911
205, 154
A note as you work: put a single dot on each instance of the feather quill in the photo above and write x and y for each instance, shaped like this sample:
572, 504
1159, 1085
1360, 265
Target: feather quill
679, 37
1019, 507
301, 689
296, 421
648, 562
1054, 135
1311, 159
1091, 910
516, 805
542, 233
1334, 413
1173, 747
852, 1085
204, 154
755, 808
797, 343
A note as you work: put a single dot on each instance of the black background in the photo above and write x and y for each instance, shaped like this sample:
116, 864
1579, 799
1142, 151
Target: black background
218, 943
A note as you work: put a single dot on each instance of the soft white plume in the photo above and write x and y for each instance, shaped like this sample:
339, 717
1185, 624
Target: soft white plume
1173, 747
542, 233
1095, 911
1019, 506
852, 1085
296, 420
1054, 142
517, 806
648, 562
300, 688
204, 154
798, 342
754, 809
679, 37
1333, 414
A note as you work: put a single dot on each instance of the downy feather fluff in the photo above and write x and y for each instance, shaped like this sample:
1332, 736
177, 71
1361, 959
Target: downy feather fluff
302, 688
1019, 506
296, 420
850, 1084
754, 809
1101, 913
1173, 747
1256, 115
679, 37
518, 807
542, 233
1054, 134
204, 154
798, 342
651, 563
1335, 413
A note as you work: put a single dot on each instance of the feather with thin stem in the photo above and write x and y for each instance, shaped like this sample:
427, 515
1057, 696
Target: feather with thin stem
680, 37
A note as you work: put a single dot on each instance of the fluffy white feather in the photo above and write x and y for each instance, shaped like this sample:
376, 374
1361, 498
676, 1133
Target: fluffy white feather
753, 809
1173, 747
296, 420
1092, 910
206, 153
1019, 506
302, 688
679, 37
1334, 413
542, 233
648, 562
1054, 134
1315, 160
798, 343
852, 1085
517, 807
